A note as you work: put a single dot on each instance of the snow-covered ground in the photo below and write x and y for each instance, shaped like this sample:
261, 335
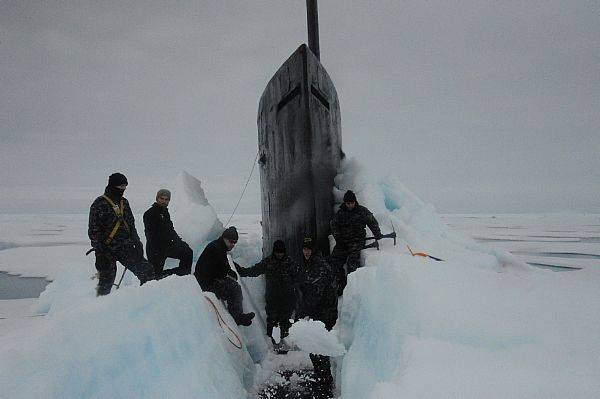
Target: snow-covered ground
480, 324
562, 240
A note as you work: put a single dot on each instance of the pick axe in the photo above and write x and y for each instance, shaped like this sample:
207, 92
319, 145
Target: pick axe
423, 254
374, 244
388, 235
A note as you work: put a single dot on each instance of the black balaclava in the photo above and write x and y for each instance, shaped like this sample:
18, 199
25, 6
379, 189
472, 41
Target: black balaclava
117, 179
112, 191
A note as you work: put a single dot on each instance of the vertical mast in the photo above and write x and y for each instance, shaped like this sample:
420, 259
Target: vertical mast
312, 18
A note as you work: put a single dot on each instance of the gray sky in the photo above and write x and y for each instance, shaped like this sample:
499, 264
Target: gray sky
478, 106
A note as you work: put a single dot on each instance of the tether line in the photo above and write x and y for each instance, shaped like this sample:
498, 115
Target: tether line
244, 190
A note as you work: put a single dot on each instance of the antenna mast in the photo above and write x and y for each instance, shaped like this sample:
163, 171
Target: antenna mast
312, 18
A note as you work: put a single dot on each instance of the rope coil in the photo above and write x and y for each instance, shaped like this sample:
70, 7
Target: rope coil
222, 323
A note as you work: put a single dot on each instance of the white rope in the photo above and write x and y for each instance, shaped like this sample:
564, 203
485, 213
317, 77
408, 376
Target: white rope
244, 190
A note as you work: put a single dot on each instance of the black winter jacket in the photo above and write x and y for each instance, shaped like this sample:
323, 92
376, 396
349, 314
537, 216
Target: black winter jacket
348, 226
319, 291
282, 277
103, 218
213, 264
159, 230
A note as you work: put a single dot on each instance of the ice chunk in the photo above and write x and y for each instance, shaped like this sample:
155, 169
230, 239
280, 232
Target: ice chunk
156, 341
312, 336
194, 218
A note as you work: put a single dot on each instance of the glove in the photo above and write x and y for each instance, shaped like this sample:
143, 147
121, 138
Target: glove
239, 269
100, 248
378, 236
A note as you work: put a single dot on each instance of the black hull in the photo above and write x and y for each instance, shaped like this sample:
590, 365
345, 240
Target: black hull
300, 144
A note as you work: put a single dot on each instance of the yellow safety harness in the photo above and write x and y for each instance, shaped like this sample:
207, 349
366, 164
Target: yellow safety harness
119, 212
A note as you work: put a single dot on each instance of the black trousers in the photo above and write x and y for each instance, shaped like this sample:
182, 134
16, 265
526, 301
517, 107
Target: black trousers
279, 308
323, 385
106, 265
179, 250
227, 289
283, 324
348, 255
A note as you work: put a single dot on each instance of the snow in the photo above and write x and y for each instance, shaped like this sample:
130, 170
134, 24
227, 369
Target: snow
481, 323
312, 336
16, 317
42, 261
151, 341
30, 245
478, 333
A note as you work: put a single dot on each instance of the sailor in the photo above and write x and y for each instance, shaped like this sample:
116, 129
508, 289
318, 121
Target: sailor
319, 302
162, 241
214, 274
348, 229
111, 229
282, 277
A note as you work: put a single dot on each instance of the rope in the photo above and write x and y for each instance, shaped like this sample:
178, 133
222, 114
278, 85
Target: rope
244, 190
222, 322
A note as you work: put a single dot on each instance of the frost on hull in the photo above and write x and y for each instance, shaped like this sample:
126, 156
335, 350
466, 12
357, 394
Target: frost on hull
300, 144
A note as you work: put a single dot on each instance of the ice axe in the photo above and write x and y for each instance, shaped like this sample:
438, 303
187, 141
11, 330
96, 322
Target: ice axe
121, 279
374, 244
389, 235
423, 254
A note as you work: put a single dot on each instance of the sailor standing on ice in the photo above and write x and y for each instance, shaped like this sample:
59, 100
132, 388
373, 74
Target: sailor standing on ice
162, 241
214, 274
348, 229
111, 229
319, 302
281, 276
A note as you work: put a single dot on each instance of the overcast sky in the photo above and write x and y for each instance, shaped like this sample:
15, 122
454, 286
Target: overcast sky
478, 106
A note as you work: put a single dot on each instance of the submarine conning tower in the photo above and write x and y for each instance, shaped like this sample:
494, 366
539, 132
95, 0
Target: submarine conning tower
300, 150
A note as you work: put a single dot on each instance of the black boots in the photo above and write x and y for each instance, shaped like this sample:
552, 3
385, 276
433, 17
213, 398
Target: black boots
245, 319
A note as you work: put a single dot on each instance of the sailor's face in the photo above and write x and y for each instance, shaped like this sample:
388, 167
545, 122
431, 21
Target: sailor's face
306, 252
350, 205
229, 243
122, 187
279, 255
163, 200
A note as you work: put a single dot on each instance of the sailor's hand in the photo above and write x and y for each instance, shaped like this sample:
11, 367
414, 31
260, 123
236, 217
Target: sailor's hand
100, 248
